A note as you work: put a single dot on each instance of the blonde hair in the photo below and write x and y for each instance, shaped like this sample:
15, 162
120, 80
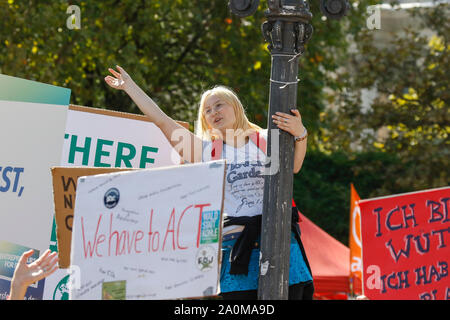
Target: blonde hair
229, 96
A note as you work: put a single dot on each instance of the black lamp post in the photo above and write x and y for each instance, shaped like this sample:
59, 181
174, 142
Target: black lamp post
287, 30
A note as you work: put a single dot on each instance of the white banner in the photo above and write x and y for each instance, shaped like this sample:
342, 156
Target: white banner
31, 142
148, 234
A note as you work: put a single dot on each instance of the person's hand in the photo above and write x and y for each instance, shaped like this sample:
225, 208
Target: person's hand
289, 123
121, 79
27, 274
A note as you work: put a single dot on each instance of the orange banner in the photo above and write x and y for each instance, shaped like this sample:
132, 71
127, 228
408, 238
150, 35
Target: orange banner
355, 243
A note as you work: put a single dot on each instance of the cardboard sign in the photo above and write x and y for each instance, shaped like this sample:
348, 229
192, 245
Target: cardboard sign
148, 234
64, 192
33, 120
406, 251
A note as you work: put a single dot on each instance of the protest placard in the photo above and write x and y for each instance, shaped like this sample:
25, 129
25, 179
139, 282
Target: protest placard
405, 245
33, 120
148, 234
97, 137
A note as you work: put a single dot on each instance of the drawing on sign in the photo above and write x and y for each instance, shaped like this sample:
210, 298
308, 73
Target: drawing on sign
111, 198
205, 258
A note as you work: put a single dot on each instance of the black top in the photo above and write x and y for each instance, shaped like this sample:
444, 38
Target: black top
241, 252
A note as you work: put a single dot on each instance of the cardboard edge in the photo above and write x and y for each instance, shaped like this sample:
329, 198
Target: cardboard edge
403, 194
119, 114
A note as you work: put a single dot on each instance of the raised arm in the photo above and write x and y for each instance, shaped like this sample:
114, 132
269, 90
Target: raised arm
185, 142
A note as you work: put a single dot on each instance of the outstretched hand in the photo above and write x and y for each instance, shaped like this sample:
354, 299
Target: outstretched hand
27, 274
121, 79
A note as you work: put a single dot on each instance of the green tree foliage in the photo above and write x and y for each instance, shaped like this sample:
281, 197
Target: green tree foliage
400, 144
322, 188
176, 49
173, 49
410, 117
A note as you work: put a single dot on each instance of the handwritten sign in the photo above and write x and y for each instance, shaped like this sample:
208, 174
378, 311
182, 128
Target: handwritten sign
104, 138
406, 245
149, 234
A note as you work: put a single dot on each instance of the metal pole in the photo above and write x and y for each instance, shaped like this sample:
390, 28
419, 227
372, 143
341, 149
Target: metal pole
287, 30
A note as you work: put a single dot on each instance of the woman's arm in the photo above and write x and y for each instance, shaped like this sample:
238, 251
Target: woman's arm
299, 153
293, 124
189, 148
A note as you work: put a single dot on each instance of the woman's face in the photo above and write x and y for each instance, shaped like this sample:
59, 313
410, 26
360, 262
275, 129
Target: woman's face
218, 113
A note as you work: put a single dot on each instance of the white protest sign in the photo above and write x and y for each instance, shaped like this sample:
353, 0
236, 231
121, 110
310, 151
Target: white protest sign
33, 120
103, 138
149, 234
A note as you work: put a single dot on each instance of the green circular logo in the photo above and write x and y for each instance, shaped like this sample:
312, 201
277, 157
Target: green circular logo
62, 290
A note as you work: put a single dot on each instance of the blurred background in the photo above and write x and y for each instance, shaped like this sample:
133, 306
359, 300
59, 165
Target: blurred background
374, 94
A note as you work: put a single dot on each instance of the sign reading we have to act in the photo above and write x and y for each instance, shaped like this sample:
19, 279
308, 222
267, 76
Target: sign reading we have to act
148, 234
406, 245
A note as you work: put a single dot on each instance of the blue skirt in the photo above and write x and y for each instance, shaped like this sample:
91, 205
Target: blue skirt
298, 271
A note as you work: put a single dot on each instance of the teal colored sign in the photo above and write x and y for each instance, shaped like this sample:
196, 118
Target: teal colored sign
210, 227
21, 90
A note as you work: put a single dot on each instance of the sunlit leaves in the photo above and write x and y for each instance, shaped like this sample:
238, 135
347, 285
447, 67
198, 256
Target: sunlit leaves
410, 115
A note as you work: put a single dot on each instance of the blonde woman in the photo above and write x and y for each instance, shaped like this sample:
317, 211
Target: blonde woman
223, 131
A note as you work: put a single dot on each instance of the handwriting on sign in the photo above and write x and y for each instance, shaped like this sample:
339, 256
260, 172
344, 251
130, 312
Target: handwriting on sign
438, 213
127, 241
405, 239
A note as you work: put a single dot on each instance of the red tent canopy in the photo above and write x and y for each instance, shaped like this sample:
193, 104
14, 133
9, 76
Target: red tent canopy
329, 259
